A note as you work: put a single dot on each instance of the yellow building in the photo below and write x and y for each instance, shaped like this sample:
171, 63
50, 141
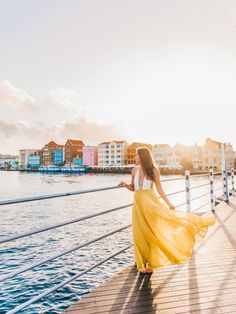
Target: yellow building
131, 151
211, 155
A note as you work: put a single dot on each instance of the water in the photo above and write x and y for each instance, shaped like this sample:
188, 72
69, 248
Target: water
26, 216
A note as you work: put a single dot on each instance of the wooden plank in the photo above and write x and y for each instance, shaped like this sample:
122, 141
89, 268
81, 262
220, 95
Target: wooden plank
204, 284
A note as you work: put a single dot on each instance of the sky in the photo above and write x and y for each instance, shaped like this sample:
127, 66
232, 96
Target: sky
154, 71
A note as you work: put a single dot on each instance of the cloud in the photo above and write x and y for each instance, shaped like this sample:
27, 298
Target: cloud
7, 129
23, 134
91, 132
14, 97
19, 129
65, 98
59, 117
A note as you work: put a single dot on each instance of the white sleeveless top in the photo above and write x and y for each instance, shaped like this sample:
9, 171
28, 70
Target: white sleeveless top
147, 184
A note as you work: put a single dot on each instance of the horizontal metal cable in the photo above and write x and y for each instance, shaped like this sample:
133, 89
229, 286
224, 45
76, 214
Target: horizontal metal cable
205, 174
218, 188
199, 186
38, 230
199, 175
56, 195
62, 284
64, 194
41, 262
173, 193
173, 179
207, 203
181, 204
197, 197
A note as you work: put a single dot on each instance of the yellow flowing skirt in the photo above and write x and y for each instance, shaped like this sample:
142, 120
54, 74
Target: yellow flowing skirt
163, 236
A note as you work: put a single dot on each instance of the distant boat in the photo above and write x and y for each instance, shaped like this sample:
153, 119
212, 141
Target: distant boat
73, 169
49, 169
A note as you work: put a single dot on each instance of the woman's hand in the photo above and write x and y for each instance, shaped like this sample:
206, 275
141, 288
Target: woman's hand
122, 184
171, 207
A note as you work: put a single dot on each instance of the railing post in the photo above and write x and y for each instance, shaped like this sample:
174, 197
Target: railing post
211, 177
224, 174
232, 181
188, 193
225, 185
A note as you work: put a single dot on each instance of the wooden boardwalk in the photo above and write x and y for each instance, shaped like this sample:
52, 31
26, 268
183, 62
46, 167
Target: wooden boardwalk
205, 284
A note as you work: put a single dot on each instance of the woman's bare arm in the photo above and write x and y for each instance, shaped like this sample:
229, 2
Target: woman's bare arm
161, 191
131, 185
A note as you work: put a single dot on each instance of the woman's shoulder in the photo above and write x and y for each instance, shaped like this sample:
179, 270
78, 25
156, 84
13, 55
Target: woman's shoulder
134, 169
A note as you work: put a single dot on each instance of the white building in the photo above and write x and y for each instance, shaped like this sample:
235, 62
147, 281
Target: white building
173, 161
112, 153
23, 157
160, 153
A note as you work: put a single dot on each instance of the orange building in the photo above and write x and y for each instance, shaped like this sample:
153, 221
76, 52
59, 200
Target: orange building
73, 149
131, 151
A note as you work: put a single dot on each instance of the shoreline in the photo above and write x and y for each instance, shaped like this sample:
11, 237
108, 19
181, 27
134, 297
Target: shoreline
126, 170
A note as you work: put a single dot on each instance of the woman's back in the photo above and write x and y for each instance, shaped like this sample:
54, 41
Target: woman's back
146, 184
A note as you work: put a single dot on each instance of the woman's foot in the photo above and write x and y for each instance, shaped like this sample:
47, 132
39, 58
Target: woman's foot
143, 271
147, 271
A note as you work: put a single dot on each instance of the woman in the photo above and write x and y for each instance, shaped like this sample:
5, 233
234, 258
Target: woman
161, 235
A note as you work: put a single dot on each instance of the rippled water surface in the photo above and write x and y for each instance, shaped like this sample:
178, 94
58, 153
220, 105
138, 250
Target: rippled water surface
26, 216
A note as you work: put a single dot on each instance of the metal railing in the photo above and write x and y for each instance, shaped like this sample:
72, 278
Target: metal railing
188, 201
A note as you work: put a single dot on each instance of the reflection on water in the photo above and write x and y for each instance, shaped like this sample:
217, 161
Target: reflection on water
22, 217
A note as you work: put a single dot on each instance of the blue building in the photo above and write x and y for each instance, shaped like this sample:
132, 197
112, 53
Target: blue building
33, 161
78, 161
58, 157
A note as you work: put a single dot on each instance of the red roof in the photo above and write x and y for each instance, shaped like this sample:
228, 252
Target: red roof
75, 142
53, 144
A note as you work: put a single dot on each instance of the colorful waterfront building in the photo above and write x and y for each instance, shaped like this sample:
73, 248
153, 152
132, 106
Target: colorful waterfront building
160, 153
131, 152
189, 156
112, 153
47, 152
90, 156
58, 157
34, 160
77, 161
211, 155
173, 161
73, 149
23, 157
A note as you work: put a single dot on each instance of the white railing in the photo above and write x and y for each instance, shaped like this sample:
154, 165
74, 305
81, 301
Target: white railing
213, 199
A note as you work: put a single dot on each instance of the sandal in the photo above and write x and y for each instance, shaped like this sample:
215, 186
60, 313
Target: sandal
142, 272
146, 272
149, 272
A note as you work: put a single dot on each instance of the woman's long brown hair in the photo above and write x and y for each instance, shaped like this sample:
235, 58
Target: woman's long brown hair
147, 162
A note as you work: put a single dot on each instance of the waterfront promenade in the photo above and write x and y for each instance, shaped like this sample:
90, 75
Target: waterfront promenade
205, 284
